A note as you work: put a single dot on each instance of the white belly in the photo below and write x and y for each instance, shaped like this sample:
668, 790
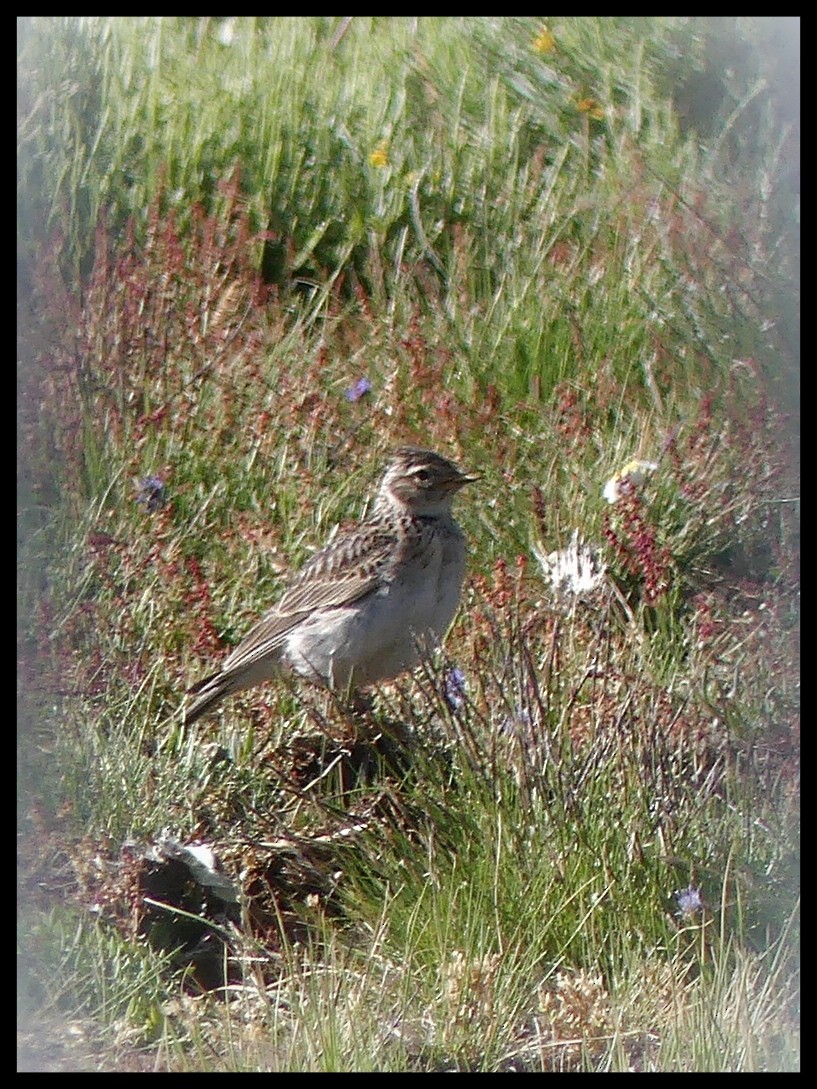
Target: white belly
384, 633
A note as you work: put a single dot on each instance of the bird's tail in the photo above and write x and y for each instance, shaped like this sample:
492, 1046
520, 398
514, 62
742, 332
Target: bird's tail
207, 695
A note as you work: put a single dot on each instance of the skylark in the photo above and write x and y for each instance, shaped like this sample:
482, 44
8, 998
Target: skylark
372, 602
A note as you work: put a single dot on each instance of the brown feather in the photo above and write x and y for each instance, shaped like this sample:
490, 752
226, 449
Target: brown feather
317, 586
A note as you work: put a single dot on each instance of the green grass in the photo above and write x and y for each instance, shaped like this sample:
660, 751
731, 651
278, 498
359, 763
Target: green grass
546, 264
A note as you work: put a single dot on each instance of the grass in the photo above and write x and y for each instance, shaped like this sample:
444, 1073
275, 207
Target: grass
544, 262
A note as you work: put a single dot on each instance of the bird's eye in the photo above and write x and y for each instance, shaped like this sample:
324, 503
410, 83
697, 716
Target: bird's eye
423, 475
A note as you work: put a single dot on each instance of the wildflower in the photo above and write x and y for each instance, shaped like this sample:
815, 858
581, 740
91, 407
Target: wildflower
380, 156
690, 902
591, 107
635, 543
359, 389
634, 474
152, 493
574, 572
454, 688
544, 42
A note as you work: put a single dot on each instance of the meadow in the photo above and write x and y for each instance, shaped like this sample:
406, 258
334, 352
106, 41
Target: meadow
254, 255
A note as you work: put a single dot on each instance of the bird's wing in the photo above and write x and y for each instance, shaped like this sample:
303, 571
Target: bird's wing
341, 573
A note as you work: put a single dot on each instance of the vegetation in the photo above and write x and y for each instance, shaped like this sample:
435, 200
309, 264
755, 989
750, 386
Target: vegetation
255, 254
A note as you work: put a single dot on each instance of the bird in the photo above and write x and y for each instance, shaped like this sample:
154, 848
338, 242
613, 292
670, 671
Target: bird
371, 603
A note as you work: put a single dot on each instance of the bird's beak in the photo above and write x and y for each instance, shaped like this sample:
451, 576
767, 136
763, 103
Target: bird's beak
461, 480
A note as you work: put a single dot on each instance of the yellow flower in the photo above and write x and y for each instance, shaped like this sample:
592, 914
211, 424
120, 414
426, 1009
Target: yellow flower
591, 107
380, 156
632, 475
544, 42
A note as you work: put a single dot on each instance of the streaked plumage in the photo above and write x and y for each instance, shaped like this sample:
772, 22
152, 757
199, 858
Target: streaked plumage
363, 608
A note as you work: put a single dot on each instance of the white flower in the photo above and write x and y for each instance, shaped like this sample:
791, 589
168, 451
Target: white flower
635, 472
574, 572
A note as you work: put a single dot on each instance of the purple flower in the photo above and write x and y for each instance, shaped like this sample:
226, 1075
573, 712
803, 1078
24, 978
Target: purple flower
454, 688
151, 493
359, 389
690, 902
